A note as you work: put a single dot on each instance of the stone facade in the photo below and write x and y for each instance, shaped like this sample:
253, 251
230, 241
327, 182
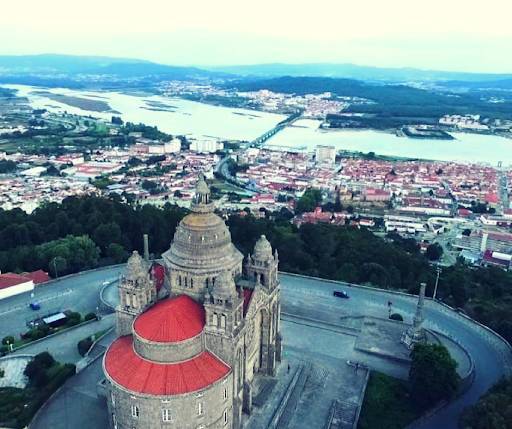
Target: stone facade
137, 291
208, 408
241, 326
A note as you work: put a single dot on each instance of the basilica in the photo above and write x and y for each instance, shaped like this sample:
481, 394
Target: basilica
188, 354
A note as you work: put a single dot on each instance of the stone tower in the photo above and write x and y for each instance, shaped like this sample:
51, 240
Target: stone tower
137, 291
262, 268
224, 332
262, 265
416, 333
223, 307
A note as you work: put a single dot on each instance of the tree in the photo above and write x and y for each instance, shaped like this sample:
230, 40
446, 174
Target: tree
433, 375
117, 253
492, 411
84, 346
7, 166
309, 201
9, 339
74, 318
36, 369
434, 252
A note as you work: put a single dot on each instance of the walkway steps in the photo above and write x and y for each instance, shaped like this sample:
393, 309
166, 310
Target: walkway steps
293, 399
342, 415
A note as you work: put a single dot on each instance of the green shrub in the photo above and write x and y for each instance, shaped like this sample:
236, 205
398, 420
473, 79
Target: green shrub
37, 333
84, 346
74, 318
9, 339
396, 316
90, 316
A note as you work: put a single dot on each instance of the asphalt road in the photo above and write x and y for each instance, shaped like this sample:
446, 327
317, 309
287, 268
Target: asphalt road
313, 299
77, 293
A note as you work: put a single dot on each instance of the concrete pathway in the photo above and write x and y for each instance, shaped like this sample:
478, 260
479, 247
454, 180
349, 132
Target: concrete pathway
63, 347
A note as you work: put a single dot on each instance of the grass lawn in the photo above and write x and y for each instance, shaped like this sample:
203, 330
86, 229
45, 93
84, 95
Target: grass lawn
387, 404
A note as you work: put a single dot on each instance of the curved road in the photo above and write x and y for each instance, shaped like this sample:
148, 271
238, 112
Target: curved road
311, 298
77, 292
492, 357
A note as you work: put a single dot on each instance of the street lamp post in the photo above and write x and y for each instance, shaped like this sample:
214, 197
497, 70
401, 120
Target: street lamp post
438, 270
55, 267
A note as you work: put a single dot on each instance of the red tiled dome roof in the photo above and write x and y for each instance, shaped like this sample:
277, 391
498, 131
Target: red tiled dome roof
171, 320
134, 373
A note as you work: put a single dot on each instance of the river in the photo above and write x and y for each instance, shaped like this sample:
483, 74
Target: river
172, 115
183, 117
466, 147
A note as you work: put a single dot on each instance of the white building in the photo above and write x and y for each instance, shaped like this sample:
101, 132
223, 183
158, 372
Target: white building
325, 155
34, 171
206, 146
404, 224
12, 284
174, 146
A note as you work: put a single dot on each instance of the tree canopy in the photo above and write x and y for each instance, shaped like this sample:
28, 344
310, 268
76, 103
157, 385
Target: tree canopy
492, 411
433, 375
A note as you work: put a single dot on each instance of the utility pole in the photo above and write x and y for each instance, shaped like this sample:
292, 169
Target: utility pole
438, 270
55, 267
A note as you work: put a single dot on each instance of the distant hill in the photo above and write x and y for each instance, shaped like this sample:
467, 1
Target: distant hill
389, 100
78, 71
501, 84
352, 71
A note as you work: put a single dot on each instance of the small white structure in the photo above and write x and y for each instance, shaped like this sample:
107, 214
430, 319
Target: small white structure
12, 284
33, 172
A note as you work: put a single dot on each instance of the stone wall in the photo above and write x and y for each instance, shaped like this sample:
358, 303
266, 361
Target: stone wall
203, 408
168, 352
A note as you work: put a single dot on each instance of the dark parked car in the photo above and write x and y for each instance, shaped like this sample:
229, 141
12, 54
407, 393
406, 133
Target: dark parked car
35, 306
340, 294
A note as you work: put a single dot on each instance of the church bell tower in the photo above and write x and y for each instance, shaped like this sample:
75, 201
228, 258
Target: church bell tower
137, 291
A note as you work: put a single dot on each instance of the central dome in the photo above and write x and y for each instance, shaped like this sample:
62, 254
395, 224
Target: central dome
202, 241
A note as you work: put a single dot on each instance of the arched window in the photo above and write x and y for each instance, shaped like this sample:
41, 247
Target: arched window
135, 411
223, 321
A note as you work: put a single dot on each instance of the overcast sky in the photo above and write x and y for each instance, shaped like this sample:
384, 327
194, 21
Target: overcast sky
434, 34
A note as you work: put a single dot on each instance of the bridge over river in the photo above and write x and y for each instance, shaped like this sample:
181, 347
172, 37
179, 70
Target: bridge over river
260, 141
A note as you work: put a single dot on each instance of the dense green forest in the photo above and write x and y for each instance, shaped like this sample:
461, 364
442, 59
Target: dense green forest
390, 101
492, 411
85, 232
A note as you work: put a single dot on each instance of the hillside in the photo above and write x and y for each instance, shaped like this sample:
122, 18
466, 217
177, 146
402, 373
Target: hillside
353, 71
81, 71
389, 100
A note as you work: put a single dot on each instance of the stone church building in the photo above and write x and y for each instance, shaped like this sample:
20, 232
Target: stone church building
189, 360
